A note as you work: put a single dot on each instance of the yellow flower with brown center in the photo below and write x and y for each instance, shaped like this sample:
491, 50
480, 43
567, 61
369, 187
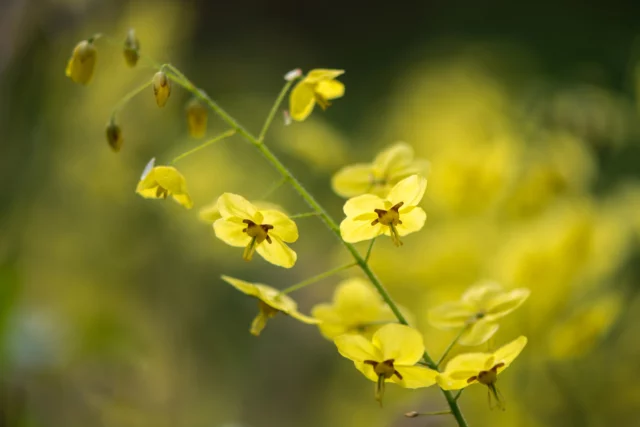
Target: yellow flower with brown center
161, 88
478, 311
82, 62
397, 215
317, 87
469, 368
390, 356
270, 302
264, 231
389, 167
159, 182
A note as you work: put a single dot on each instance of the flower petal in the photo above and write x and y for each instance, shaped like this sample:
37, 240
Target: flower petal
242, 286
412, 221
331, 323
277, 253
394, 158
410, 191
456, 382
184, 200
401, 343
478, 294
303, 318
209, 213
473, 362
169, 177
450, 315
353, 180
231, 233
505, 303
353, 231
479, 333
357, 348
415, 376
283, 226
508, 352
301, 101
319, 74
234, 205
330, 89
365, 204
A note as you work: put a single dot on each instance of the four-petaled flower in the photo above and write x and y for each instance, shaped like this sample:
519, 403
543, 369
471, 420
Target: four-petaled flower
390, 356
270, 302
378, 177
159, 182
318, 86
264, 231
356, 308
478, 310
369, 216
466, 369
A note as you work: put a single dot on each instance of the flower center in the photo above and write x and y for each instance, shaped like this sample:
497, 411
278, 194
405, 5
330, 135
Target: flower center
384, 369
258, 233
487, 378
390, 218
161, 192
321, 100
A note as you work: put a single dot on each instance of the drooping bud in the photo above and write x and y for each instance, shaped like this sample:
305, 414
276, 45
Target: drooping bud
114, 136
131, 48
82, 62
293, 74
161, 88
196, 118
412, 414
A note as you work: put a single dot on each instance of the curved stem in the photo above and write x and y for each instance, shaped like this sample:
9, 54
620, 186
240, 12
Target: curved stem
366, 258
274, 110
123, 101
451, 345
213, 140
315, 278
322, 213
304, 215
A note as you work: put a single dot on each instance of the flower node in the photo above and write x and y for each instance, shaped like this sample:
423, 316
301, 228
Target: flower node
260, 232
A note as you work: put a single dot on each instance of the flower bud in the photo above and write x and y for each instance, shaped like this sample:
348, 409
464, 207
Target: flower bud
114, 136
131, 48
196, 118
161, 88
82, 62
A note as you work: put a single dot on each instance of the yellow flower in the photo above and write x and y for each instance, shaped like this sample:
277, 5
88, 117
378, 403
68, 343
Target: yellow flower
390, 166
211, 213
82, 62
158, 182
369, 216
264, 231
196, 118
478, 310
468, 368
114, 136
390, 356
161, 88
270, 303
131, 48
356, 308
318, 86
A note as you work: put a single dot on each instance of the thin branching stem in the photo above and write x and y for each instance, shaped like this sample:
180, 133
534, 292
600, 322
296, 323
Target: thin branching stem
205, 144
366, 258
274, 110
303, 215
450, 346
128, 97
317, 277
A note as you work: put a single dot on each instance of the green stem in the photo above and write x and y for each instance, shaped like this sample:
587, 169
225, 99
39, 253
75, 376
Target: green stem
322, 213
125, 99
274, 110
366, 258
317, 277
451, 345
274, 187
415, 414
205, 144
457, 396
304, 215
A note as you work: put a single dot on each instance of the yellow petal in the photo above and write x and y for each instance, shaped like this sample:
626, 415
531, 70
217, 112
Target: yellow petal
242, 286
450, 315
231, 233
415, 376
417, 167
331, 323
503, 304
184, 200
233, 205
365, 204
367, 371
283, 226
478, 294
460, 380
474, 362
303, 318
356, 297
301, 101
410, 191
319, 74
169, 177
394, 158
412, 221
479, 333
330, 89
209, 213
353, 231
353, 180
507, 353
401, 343
277, 253
258, 324
357, 348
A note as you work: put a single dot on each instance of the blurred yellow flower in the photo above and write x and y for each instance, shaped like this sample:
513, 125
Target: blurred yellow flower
369, 216
478, 311
131, 48
210, 213
318, 86
483, 368
390, 166
264, 231
270, 303
390, 356
158, 182
196, 118
82, 62
584, 329
356, 308
161, 88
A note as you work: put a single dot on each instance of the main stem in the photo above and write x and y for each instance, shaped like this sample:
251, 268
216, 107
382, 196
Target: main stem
180, 79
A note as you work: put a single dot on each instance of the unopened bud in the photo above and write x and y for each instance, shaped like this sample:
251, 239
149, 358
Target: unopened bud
293, 74
196, 118
114, 136
161, 88
131, 48
82, 62
286, 117
412, 414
